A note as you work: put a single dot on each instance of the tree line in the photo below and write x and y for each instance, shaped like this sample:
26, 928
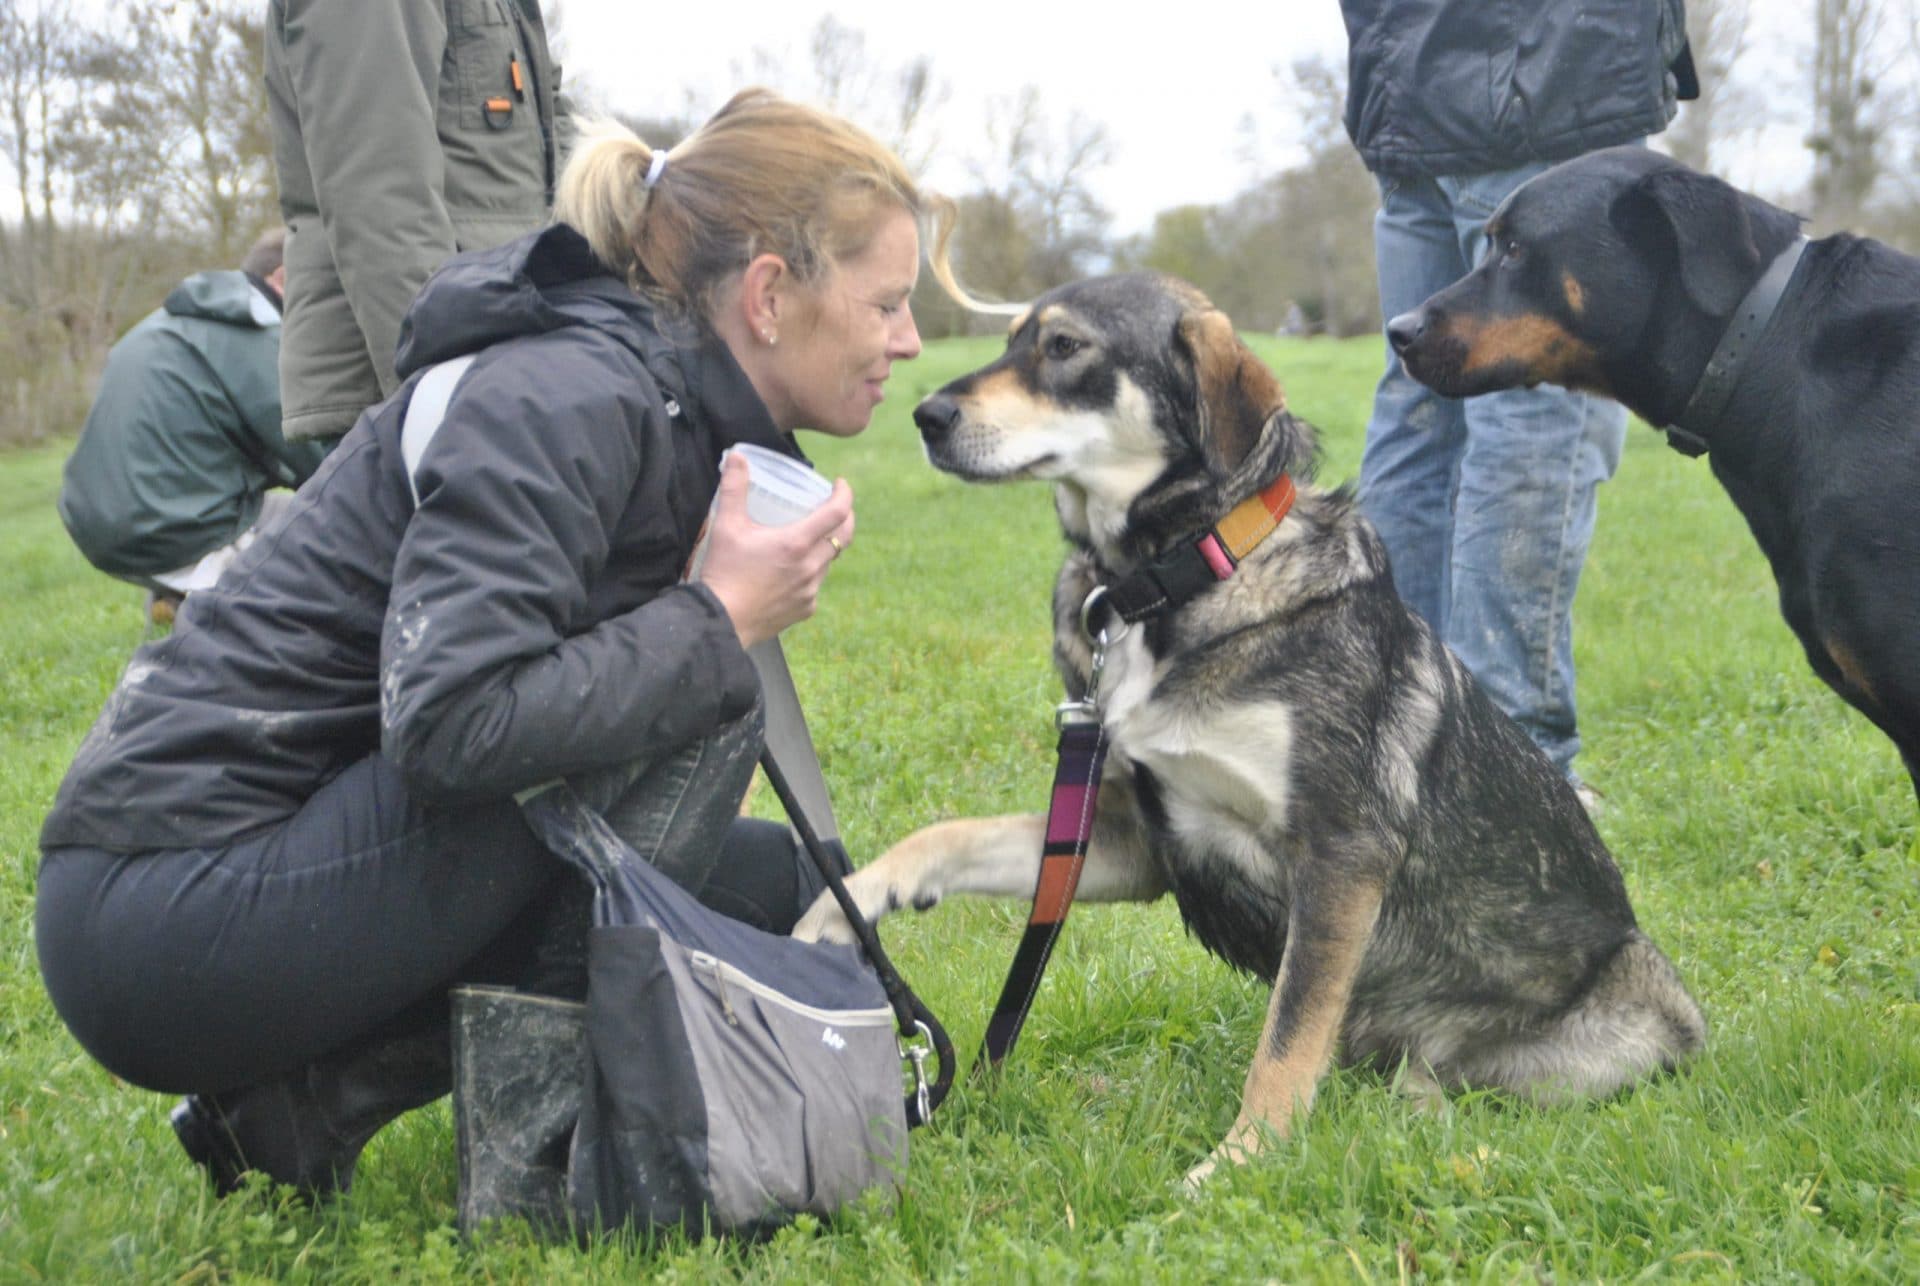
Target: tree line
134, 148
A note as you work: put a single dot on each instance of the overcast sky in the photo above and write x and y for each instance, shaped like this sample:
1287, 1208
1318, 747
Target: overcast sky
1170, 82
1173, 83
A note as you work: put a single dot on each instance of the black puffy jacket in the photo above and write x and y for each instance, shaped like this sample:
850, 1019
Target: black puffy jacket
1476, 86
524, 622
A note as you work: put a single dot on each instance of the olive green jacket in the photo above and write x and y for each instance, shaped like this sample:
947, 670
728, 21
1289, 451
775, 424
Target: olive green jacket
403, 131
183, 439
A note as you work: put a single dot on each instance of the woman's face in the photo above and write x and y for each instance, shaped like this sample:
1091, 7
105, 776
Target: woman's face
830, 365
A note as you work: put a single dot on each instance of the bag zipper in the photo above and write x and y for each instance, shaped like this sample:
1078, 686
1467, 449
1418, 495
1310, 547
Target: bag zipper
725, 973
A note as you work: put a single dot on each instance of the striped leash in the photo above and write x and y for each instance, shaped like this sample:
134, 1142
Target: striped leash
1189, 567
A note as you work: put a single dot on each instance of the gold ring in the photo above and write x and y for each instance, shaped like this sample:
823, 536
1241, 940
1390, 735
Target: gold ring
838, 548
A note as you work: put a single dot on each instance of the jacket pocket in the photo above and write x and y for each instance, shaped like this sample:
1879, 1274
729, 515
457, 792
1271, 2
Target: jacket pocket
483, 53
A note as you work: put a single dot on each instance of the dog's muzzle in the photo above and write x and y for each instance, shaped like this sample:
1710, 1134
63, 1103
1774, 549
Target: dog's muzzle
1404, 331
937, 415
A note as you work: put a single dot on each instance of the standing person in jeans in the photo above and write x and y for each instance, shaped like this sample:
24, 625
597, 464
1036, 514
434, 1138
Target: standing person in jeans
1487, 505
403, 131
293, 828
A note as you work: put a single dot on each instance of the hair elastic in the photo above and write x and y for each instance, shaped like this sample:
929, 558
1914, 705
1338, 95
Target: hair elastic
655, 168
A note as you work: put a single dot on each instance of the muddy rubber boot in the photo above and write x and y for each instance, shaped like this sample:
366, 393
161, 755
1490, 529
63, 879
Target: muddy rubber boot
307, 1130
519, 1059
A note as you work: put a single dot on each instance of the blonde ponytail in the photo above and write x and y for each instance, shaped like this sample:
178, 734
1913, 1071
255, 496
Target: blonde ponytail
602, 193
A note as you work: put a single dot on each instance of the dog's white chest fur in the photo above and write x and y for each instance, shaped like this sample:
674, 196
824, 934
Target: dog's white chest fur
1223, 767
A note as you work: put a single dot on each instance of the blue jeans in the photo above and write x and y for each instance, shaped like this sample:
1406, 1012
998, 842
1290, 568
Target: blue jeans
1486, 505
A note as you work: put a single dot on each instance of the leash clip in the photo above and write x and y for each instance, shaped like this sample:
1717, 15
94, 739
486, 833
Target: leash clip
918, 1052
1087, 708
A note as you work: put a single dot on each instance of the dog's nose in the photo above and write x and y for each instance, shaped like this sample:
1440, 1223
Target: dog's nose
936, 415
1405, 329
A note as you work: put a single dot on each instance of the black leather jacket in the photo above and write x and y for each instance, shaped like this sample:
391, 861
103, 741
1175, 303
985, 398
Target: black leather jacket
1475, 86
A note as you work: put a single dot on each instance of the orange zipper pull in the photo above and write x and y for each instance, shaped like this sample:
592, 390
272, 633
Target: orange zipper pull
519, 84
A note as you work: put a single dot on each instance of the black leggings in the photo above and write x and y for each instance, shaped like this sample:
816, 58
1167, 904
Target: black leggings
202, 970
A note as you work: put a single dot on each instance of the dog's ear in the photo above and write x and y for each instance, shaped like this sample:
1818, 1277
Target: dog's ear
1234, 392
1703, 223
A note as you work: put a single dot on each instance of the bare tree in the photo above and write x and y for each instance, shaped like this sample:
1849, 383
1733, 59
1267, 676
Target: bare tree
35, 53
137, 143
899, 104
1848, 113
1310, 227
1044, 174
1725, 109
180, 85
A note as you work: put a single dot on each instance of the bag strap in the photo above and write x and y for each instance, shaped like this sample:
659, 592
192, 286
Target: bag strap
793, 770
791, 764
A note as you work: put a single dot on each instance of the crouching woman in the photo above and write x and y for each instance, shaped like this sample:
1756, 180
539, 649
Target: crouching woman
292, 830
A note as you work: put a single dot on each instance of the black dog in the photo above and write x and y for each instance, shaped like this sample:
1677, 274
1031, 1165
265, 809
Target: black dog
1794, 365
1323, 788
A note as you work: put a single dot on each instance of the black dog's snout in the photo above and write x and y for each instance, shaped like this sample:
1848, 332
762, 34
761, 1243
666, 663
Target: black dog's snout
1405, 329
936, 415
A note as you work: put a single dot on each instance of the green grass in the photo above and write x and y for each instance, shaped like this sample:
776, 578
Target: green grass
1767, 834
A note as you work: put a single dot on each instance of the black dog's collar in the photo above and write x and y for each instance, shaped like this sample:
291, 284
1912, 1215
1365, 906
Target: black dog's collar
1724, 368
1203, 560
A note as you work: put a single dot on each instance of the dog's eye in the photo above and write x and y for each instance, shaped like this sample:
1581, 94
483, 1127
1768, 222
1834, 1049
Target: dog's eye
1511, 250
1061, 347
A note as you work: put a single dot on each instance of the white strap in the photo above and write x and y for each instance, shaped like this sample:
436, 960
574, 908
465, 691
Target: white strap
788, 740
425, 411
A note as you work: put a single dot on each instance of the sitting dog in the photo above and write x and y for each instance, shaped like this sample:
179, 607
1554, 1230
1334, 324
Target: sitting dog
1332, 801
1794, 365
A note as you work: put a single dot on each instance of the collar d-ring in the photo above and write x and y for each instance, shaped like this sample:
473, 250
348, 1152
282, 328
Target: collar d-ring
1094, 597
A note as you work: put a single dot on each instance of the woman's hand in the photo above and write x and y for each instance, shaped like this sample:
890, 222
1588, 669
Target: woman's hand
769, 577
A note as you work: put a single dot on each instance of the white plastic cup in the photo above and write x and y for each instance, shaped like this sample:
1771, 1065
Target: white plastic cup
780, 490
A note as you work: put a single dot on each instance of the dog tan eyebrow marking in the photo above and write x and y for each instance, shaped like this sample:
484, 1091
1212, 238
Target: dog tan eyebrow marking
1576, 296
1539, 346
1005, 397
1013, 327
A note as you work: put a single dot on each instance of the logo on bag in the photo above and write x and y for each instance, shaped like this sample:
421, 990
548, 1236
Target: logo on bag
833, 1039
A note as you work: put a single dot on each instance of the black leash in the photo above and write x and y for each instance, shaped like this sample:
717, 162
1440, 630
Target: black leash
916, 1021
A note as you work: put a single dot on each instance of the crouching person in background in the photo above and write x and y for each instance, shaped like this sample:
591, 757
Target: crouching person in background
181, 459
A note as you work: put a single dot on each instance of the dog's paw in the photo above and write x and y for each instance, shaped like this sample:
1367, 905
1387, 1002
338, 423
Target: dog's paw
1197, 1177
824, 922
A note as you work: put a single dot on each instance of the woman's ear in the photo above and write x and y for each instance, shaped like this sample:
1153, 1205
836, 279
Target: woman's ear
764, 289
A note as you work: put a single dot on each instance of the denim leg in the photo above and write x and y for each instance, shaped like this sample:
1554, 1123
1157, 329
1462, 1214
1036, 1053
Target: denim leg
1522, 520
1414, 437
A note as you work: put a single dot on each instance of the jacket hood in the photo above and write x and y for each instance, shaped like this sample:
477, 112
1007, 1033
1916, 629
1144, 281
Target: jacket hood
538, 282
223, 296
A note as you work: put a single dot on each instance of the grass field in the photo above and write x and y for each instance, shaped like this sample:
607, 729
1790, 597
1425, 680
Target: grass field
1767, 835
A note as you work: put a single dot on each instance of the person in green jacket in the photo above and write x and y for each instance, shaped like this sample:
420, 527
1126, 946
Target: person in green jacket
403, 131
181, 452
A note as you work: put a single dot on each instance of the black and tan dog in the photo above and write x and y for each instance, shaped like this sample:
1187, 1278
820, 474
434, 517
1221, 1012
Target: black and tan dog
1794, 365
1329, 797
